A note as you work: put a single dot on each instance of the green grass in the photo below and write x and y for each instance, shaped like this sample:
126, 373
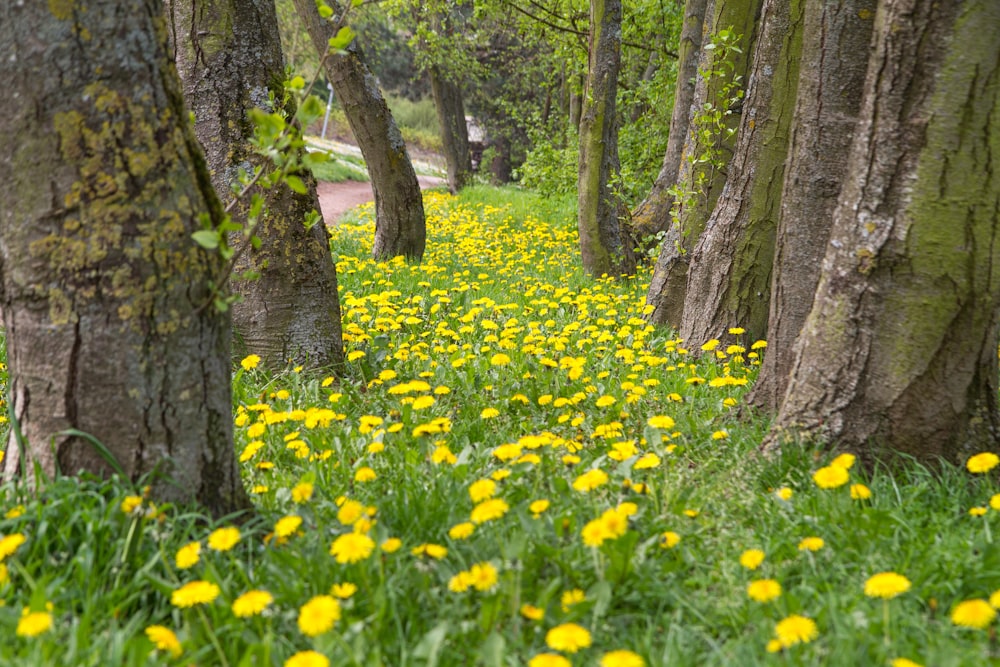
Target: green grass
340, 168
516, 347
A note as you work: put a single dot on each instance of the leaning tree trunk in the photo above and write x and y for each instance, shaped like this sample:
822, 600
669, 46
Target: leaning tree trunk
900, 348
228, 55
652, 215
729, 278
835, 42
604, 247
105, 296
454, 130
701, 180
399, 207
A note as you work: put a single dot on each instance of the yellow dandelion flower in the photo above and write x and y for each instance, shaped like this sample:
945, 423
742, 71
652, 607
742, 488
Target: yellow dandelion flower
499, 359
983, 462
130, 504
224, 539
286, 526
795, 629
489, 413
251, 603
752, 558
364, 474
811, 544
784, 493
977, 511
344, 590
422, 402
33, 623
391, 545
763, 590
549, 660
590, 480
482, 489
9, 544
435, 551
669, 539
831, 477
250, 362
307, 659
302, 492
188, 555
860, 492
646, 461
461, 531
164, 639
904, 662
318, 615
605, 401
352, 548
532, 613
845, 461
193, 593
594, 533
537, 507
977, 614
483, 576
488, 510
622, 658
568, 638
571, 597
350, 511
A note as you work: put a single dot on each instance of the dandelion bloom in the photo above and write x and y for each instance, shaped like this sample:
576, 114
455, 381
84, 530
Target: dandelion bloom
130, 504
195, 592
364, 474
251, 603
983, 462
286, 526
973, 614
995, 501
752, 558
250, 362
605, 401
538, 506
489, 413
460, 582
795, 629
489, 510
344, 590
622, 658
307, 659
811, 544
352, 547
482, 489
549, 660
391, 545
572, 597
785, 493
532, 613
977, 511
499, 359
224, 539
568, 637
435, 551
595, 533
164, 639
669, 539
33, 623
188, 555
318, 615
845, 461
886, 585
302, 492
461, 531
763, 590
4, 574
483, 576
645, 461
590, 480
904, 662
831, 477
422, 402
660, 422
860, 492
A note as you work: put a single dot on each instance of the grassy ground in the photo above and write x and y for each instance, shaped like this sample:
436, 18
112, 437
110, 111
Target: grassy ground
514, 470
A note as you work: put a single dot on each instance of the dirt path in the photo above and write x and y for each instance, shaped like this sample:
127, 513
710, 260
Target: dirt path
336, 199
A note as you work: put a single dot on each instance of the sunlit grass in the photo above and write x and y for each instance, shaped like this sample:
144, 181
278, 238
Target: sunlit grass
515, 469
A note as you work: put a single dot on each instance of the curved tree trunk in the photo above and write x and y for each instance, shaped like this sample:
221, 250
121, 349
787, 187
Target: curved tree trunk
729, 278
652, 215
228, 55
106, 304
454, 130
900, 348
668, 287
604, 247
399, 207
835, 42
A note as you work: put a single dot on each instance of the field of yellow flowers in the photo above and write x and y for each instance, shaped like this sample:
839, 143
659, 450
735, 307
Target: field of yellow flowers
515, 469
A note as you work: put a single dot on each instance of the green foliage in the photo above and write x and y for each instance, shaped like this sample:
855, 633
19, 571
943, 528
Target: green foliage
540, 383
549, 169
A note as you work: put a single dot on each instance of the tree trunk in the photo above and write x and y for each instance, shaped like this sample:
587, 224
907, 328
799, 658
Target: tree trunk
454, 130
835, 45
729, 278
228, 54
900, 348
702, 180
399, 206
106, 304
652, 215
603, 244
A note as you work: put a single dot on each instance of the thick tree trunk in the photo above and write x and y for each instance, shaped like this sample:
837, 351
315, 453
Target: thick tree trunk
454, 130
604, 247
835, 42
900, 348
109, 317
668, 287
228, 55
652, 215
399, 207
729, 278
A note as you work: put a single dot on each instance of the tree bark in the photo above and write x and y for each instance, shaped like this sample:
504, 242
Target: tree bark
668, 287
729, 278
652, 215
604, 247
228, 55
454, 130
399, 206
900, 348
106, 304
835, 42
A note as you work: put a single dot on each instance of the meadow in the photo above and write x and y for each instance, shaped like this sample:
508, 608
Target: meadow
514, 469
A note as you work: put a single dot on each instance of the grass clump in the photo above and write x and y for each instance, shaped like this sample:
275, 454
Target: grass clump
515, 469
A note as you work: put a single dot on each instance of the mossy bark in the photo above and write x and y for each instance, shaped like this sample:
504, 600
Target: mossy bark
729, 278
228, 54
836, 37
454, 130
668, 287
604, 247
652, 215
106, 302
900, 348
400, 227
